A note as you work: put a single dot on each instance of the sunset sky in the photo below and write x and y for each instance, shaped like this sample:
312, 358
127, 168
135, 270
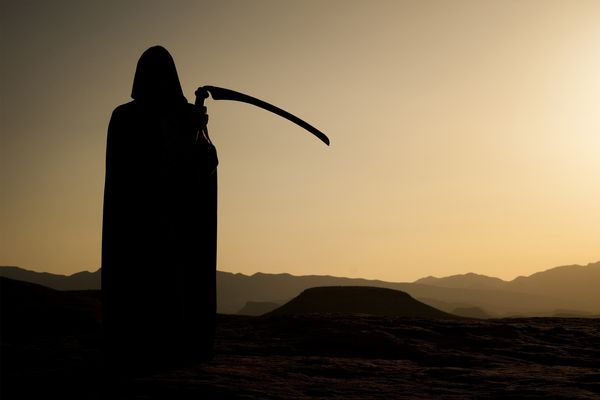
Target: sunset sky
465, 134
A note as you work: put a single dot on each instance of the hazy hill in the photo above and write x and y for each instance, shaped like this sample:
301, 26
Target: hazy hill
84, 280
358, 300
575, 285
470, 280
580, 284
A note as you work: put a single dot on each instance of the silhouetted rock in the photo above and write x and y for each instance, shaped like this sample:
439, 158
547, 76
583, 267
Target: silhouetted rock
359, 300
28, 309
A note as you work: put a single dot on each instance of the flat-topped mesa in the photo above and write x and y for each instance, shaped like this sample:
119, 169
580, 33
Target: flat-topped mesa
358, 300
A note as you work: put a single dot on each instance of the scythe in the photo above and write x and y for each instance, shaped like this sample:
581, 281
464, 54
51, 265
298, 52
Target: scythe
218, 93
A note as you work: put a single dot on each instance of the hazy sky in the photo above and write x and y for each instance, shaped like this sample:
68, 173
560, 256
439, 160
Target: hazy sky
465, 134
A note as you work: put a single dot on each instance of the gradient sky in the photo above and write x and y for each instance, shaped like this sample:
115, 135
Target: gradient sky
465, 134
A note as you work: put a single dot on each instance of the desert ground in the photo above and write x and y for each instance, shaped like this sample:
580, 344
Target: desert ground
54, 350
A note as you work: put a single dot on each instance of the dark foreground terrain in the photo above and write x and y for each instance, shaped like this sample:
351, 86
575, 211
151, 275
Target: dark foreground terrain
52, 349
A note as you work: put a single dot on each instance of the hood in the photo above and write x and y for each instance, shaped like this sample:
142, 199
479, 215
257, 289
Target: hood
156, 77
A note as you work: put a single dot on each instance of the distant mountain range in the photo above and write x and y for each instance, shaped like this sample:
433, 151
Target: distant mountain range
566, 291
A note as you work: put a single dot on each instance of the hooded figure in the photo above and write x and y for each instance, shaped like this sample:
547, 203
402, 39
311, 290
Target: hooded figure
159, 224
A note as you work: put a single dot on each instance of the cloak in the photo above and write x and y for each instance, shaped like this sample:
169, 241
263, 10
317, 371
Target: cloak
159, 223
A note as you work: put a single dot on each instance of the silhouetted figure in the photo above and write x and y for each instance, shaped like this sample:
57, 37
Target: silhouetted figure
159, 225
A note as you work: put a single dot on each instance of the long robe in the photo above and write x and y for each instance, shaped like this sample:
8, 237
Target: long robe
159, 235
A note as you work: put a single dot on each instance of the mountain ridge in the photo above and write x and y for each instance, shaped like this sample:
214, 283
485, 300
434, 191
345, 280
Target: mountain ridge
475, 276
83, 280
541, 294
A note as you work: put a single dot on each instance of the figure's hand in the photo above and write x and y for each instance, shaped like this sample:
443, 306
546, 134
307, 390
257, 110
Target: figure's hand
201, 117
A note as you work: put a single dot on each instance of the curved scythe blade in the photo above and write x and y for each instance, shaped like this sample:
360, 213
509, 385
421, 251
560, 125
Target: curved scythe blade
219, 93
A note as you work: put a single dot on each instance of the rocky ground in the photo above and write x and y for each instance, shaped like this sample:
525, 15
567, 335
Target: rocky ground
336, 357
